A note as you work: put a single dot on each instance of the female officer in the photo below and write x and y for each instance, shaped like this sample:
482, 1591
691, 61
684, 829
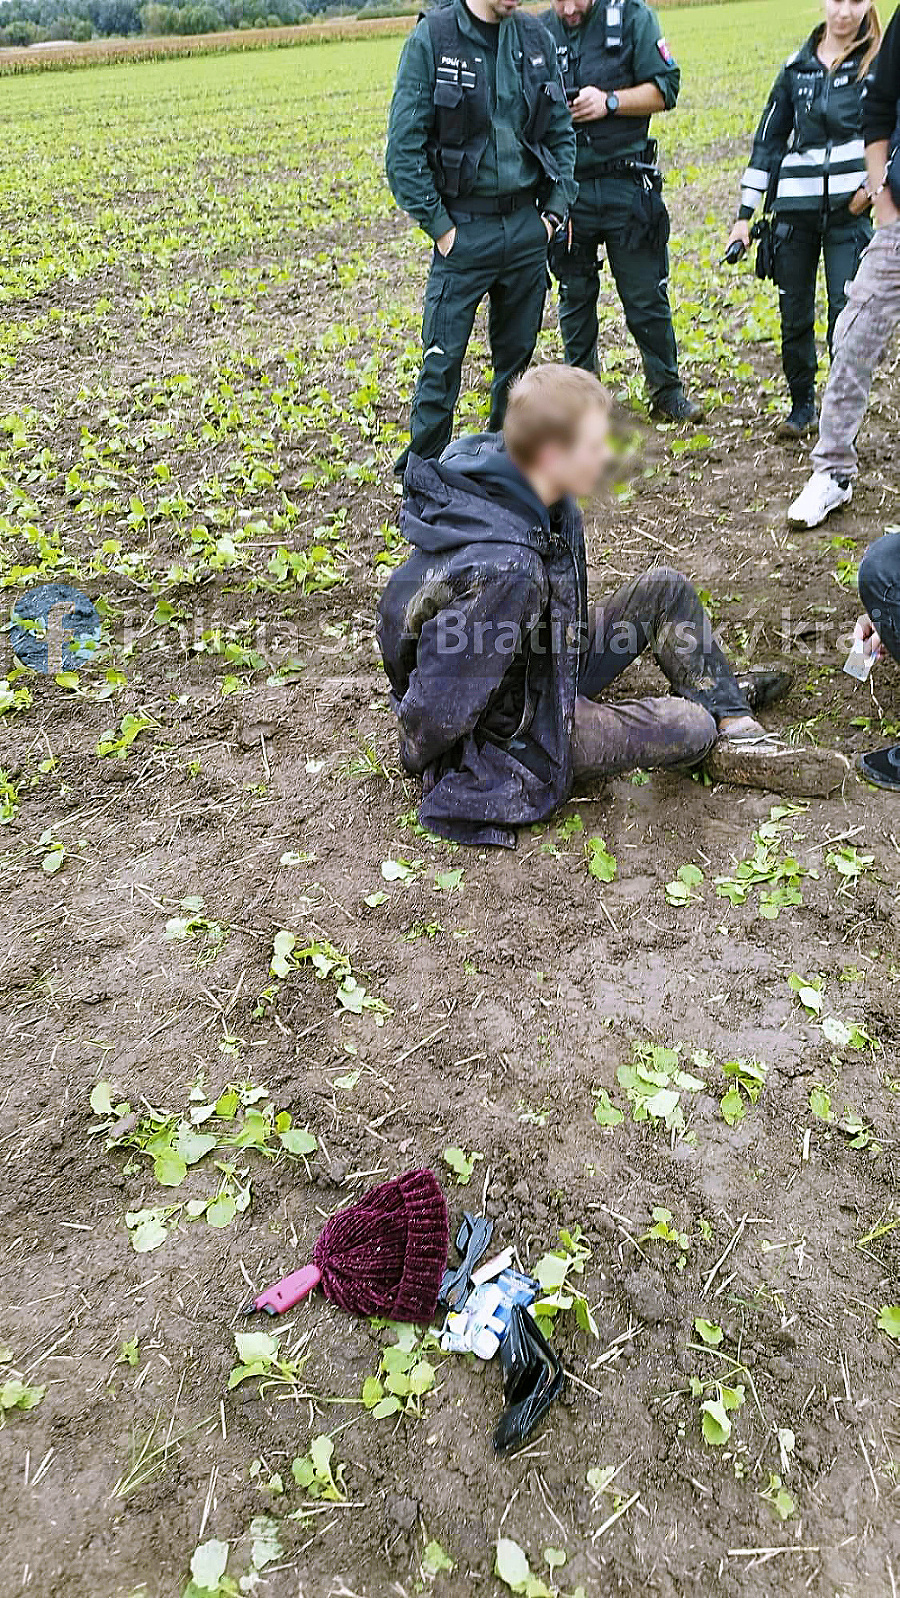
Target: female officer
808, 161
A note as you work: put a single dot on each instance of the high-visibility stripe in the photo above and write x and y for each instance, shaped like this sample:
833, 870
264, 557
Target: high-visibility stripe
853, 150
756, 178
800, 188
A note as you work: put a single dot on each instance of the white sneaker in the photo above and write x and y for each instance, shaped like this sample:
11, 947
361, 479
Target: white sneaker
822, 494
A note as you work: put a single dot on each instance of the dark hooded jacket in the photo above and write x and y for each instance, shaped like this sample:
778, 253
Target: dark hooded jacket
481, 631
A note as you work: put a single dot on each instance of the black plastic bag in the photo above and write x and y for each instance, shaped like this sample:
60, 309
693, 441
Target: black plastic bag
532, 1378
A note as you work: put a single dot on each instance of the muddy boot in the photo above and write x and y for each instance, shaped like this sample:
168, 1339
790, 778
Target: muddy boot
763, 762
765, 685
803, 418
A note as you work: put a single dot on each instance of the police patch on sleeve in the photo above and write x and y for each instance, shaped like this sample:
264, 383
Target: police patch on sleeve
665, 52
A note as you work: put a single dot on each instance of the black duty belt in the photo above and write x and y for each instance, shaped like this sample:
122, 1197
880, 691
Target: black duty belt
474, 205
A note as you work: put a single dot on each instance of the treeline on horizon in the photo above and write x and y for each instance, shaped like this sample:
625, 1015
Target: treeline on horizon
25, 22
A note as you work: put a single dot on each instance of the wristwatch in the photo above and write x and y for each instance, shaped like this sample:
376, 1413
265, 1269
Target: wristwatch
612, 104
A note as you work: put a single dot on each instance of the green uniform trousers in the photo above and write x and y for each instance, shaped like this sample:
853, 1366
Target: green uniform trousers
505, 258
603, 217
799, 241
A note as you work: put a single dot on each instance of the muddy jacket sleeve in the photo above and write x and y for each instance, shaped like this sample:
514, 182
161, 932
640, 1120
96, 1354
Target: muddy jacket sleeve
653, 60
463, 655
409, 126
769, 145
882, 101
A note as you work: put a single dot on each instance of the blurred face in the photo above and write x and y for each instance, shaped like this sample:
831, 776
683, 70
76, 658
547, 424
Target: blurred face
843, 18
579, 468
500, 9
574, 12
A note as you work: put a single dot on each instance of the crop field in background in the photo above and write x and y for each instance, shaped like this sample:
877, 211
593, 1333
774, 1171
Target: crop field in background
658, 1044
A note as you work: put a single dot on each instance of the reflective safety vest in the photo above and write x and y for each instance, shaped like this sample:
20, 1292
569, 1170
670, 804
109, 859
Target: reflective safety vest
464, 109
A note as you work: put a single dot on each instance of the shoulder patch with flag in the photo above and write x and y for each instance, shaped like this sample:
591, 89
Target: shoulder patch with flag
665, 52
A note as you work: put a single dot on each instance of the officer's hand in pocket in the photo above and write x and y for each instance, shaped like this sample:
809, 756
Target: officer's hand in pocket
446, 242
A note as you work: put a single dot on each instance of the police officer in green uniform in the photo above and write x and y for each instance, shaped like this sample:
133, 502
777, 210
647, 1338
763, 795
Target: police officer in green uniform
618, 70
481, 153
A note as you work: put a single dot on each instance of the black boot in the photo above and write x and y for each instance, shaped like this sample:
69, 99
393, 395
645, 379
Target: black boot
803, 418
764, 686
675, 406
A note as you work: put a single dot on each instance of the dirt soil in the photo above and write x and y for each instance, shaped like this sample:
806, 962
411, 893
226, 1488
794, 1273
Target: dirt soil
512, 1001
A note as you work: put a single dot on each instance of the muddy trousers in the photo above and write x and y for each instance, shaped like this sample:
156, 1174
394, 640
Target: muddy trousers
505, 259
879, 589
861, 338
602, 218
799, 242
660, 612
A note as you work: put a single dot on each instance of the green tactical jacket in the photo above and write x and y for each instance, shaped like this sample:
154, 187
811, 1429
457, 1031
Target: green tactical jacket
642, 57
507, 167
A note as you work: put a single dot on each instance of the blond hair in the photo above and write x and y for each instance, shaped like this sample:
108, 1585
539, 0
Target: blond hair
546, 405
869, 38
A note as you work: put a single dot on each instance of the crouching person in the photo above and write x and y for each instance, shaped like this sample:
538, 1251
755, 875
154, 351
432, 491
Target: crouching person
496, 662
878, 634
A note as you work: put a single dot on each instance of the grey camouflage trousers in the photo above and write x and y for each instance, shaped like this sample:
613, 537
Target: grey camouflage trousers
861, 338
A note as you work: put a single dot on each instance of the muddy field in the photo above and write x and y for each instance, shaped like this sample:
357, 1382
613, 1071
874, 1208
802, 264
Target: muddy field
205, 371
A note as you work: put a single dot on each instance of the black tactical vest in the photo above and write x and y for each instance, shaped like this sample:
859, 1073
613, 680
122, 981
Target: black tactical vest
604, 61
463, 111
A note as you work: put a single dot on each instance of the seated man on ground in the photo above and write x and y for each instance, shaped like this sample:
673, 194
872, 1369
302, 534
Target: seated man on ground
878, 632
497, 664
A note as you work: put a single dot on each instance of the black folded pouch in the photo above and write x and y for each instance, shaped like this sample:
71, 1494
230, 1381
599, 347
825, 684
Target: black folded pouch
472, 1239
532, 1378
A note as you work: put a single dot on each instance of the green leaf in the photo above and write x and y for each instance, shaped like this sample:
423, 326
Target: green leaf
208, 1564
373, 900
372, 1392
253, 1347
191, 1145
434, 1560
283, 946
716, 1424
709, 1332
52, 860
462, 1164
387, 1406
605, 1112
820, 1104
511, 1564
555, 1558
601, 864
148, 1234
449, 881
732, 1106
169, 1168
266, 1546
889, 1320
221, 1211
101, 1098
297, 1141
16, 1394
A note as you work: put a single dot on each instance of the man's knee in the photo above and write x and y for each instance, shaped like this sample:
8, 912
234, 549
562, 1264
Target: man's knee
879, 573
698, 729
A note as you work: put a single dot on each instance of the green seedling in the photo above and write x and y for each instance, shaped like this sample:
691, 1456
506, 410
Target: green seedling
682, 892
462, 1164
709, 1332
808, 991
848, 864
435, 1562
315, 1472
404, 1376
716, 1414
116, 742
889, 1321
129, 1352
329, 964
260, 1357
600, 863
605, 1112
748, 1080
654, 1083
783, 1503
193, 924
555, 1272
771, 872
